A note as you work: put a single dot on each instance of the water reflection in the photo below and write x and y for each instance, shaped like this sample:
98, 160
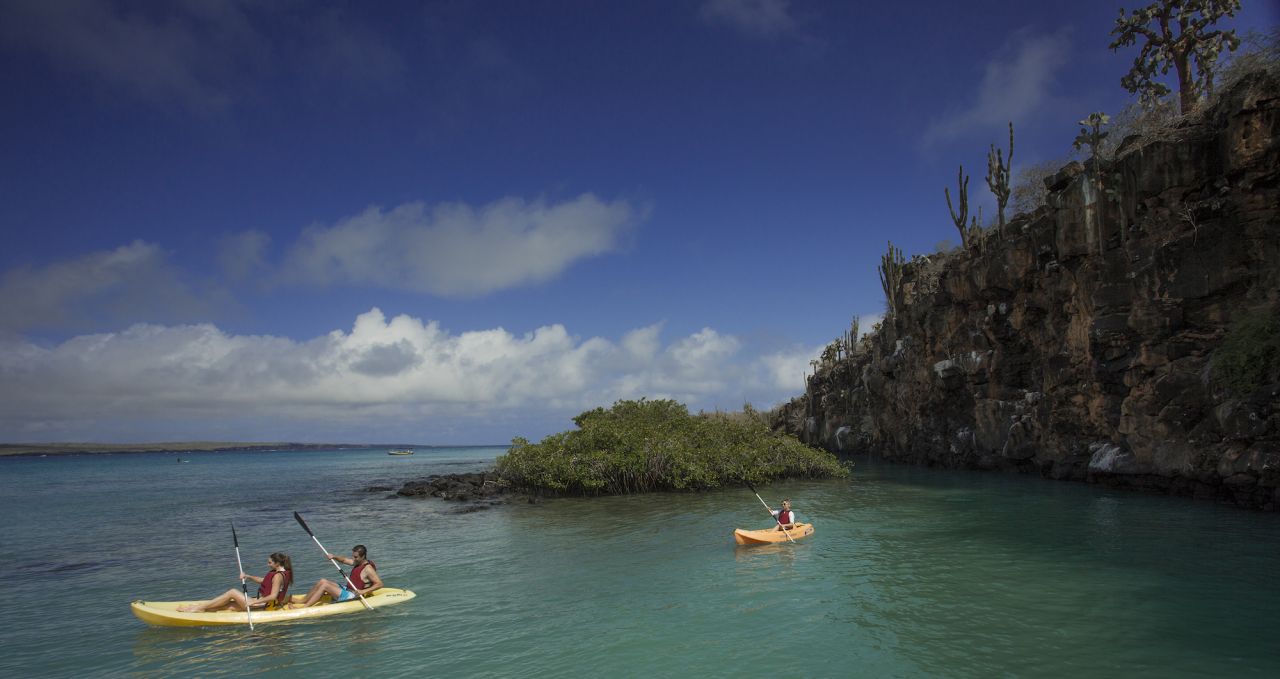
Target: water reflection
235, 650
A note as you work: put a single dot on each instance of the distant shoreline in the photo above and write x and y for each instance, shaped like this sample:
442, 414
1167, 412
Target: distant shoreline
38, 449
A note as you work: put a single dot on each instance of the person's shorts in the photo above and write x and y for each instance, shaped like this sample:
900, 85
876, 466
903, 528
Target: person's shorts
344, 594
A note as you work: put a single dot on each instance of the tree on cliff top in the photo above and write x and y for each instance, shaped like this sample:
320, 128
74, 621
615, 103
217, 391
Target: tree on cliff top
1176, 35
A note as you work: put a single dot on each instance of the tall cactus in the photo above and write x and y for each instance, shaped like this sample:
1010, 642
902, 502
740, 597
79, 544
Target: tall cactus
1091, 135
963, 181
891, 264
851, 339
998, 176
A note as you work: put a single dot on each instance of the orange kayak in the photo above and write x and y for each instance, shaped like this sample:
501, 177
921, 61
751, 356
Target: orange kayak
770, 535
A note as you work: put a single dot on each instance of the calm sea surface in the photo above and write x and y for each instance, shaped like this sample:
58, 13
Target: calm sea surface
911, 572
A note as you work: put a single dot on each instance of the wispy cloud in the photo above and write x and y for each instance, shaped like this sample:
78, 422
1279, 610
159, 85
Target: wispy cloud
380, 370
128, 284
200, 56
189, 52
243, 254
752, 18
455, 249
1015, 83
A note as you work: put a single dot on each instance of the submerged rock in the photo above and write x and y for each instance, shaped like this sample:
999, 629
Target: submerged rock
481, 488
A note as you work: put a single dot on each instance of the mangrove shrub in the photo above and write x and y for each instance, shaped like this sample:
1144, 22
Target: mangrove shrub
641, 446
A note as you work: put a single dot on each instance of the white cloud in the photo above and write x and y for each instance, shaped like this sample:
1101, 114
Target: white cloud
1014, 84
454, 249
785, 370
753, 18
381, 370
130, 283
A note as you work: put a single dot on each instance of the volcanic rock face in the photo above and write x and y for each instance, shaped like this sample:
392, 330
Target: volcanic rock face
1079, 344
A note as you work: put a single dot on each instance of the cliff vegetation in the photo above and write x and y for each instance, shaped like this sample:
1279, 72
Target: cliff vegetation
1123, 331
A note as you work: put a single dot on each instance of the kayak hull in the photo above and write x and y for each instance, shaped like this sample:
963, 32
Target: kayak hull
770, 536
166, 613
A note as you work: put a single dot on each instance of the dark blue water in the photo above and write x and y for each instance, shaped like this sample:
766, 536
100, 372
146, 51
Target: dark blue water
911, 573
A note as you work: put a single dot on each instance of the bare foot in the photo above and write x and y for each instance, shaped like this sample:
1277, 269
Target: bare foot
296, 605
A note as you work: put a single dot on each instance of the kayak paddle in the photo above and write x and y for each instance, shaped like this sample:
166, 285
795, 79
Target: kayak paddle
766, 506
243, 588
335, 563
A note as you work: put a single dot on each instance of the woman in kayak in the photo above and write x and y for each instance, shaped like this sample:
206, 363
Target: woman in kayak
364, 575
786, 518
273, 589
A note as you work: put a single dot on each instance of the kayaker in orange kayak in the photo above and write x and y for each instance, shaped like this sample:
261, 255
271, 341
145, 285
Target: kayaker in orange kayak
785, 517
364, 576
273, 589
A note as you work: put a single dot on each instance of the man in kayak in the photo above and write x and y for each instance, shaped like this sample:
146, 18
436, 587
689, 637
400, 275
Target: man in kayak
364, 576
273, 589
786, 518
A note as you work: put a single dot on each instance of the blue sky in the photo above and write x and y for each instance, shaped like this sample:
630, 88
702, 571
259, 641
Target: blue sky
458, 222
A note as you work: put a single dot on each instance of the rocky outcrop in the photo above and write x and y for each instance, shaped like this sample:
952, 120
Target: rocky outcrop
479, 490
1079, 345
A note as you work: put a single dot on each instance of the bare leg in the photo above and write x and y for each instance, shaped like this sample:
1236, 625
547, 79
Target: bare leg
228, 599
318, 590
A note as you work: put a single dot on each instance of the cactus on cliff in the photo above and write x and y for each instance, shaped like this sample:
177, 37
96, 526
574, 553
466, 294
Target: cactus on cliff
891, 264
1091, 135
850, 339
963, 194
1177, 34
998, 176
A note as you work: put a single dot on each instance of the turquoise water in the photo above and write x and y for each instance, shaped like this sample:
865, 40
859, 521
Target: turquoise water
911, 572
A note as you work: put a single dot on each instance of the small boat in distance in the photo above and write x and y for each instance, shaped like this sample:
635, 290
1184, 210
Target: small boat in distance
400, 451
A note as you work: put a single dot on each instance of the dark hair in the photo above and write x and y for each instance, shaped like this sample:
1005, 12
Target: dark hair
359, 549
283, 560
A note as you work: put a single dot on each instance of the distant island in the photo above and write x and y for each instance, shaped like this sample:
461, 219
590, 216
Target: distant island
16, 449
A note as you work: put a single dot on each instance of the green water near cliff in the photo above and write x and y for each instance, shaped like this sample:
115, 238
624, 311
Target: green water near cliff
911, 572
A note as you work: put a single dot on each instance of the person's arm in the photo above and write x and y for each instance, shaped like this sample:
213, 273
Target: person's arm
375, 582
344, 559
252, 578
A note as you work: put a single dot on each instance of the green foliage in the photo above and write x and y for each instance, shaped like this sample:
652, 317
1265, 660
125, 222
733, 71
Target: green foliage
1249, 357
1177, 35
998, 177
642, 446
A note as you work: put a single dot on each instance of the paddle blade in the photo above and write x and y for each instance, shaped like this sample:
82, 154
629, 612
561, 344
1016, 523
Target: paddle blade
303, 524
753, 488
234, 539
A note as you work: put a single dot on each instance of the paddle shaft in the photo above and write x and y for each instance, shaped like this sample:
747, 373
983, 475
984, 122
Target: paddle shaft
350, 584
243, 588
775, 516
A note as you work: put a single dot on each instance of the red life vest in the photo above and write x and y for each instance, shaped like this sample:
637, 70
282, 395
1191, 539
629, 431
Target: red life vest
785, 516
357, 572
265, 588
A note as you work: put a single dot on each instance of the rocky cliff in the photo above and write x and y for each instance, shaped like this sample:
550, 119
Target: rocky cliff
1080, 344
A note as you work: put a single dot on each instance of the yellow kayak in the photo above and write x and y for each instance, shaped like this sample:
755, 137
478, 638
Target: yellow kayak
766, 536
165, 613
